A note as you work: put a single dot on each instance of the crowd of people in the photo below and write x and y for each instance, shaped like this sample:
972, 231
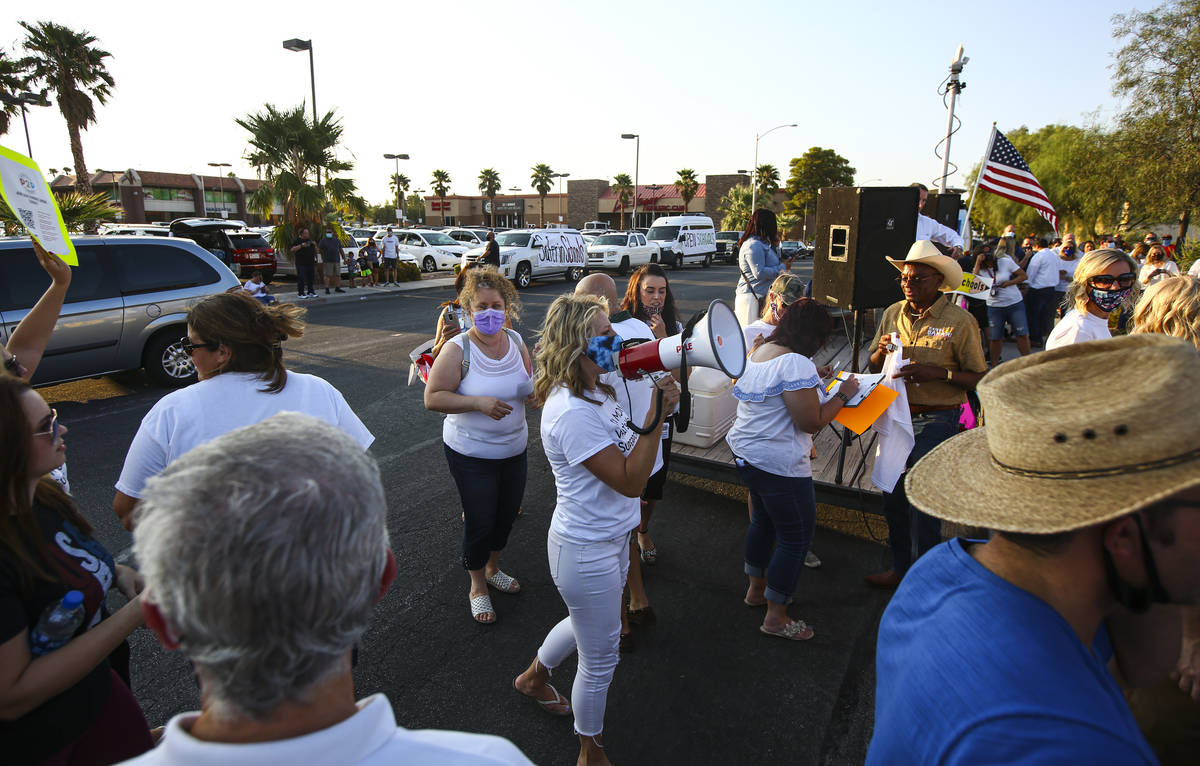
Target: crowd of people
991, 650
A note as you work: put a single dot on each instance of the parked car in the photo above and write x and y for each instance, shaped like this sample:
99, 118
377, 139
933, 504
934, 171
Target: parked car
242, 250
791, 249
727, 246
287, 268
620, 251
528, 254
683, 239
431, 250
134, 230
126, 307
469, 237
594, 228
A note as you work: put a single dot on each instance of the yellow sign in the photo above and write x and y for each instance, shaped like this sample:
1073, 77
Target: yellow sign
27, 194
973, 284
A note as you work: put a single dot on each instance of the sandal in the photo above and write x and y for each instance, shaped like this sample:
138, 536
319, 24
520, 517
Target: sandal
481, 605
548, 705
796, 630
504, 583
647, 555
643, 616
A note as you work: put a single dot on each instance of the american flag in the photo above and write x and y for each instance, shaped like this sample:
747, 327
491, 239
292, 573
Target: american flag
1006, 173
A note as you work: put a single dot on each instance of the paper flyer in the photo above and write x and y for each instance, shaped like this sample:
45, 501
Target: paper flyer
27, 194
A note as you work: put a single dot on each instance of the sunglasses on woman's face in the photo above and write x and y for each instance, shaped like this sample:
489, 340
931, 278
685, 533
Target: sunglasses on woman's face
1106, 281
52, 429
190, 348
12, 365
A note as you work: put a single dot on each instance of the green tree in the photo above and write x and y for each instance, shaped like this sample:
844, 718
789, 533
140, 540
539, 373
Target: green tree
735, 208
414, 208
399, 184
623, 188
70, 64
767, 179
1157, 74
543, 181
816, 169
441, 187
687, 186
15, 78
290, 152
79, 211
489, 186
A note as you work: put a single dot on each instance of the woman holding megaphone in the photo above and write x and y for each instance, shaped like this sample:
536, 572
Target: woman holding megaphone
779, 409
600, 466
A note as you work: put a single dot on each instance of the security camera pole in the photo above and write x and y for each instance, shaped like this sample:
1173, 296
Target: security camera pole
953, 87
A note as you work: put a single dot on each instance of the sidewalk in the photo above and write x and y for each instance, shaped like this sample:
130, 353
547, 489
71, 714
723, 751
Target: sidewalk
285, 292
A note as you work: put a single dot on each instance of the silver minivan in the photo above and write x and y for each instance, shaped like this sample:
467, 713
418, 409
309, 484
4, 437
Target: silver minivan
126, 307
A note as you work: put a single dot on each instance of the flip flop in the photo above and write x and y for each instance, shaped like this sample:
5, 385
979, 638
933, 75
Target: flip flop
796, 630
546, 704
504, 583
753, 604
483, 605
648, 555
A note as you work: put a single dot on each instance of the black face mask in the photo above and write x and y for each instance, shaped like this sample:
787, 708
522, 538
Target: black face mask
1137, 600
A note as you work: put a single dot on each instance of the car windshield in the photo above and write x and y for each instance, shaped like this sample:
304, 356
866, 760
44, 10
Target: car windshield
611, 239
729, 236
514, 239
437, 238
663, 232
248, 241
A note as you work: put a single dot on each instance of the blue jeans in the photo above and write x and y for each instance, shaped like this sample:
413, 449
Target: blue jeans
910, 532
491, 492
783, 516
1014, 315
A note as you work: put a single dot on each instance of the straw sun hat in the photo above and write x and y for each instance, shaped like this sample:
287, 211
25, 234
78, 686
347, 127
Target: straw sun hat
925, 252
1068, 442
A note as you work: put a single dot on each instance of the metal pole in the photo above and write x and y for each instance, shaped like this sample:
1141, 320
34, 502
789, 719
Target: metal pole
396, 180
954, 86
28, 146
637, 159
312, 78
856, 346
975, 189
754, 177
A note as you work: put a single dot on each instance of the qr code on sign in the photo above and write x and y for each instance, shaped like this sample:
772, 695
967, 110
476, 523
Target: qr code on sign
26, 217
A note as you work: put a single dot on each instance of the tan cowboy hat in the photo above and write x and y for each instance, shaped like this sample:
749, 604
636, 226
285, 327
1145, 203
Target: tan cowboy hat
924, 251
1066, 445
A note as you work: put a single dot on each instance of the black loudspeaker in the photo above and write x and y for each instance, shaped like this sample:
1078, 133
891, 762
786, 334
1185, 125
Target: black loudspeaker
943, 208
857, 228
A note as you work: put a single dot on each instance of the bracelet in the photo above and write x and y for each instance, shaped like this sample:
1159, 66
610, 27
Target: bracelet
845, 399
949, 376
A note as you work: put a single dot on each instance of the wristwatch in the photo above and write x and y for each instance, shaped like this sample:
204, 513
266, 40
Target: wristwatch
845, 399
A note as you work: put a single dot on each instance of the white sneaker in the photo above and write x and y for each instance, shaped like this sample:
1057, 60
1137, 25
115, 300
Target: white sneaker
811, 561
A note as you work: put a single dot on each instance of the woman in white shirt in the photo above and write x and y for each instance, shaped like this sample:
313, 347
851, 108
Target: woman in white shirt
1157, 267
1004, 304
481, 379
236, 345
1104, 281
600, 468
779, 409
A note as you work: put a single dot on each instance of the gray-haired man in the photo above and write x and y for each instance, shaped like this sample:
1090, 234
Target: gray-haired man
266, 586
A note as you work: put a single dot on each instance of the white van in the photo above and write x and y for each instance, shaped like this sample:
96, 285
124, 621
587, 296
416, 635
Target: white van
684, 239
529, 254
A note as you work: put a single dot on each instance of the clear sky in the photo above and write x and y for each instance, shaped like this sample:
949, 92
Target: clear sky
465, 85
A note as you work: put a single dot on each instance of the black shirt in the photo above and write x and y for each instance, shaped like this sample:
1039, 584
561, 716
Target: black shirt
491, 255
307, 254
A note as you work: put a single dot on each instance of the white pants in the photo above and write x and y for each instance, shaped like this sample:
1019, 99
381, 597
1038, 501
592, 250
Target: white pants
745, 308
590, 578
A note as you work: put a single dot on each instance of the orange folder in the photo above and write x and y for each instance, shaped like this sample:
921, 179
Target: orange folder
859, 418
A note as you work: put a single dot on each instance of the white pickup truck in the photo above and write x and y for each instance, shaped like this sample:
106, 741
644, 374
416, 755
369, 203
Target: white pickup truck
529, 254
621, 251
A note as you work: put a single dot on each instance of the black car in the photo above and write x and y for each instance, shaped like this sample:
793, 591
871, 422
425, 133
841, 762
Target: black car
727, 246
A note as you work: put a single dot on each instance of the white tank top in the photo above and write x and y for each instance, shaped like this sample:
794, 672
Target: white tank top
475, 434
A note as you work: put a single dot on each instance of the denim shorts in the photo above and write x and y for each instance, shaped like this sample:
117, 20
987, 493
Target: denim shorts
1014, 315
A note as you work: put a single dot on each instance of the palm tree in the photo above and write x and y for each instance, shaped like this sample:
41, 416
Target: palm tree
291, 152
489, 185
623, 188
441, 186
687, 186
735, 207
767, 178
399, 185
78, 211
69, 64
14, 79
543, 182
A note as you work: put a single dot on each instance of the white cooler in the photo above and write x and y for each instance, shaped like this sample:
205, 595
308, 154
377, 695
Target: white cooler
713, 408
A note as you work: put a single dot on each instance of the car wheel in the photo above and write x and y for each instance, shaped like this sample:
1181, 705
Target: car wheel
428, 265
707, 261
574, 274
623, 269
166, 362
524, 275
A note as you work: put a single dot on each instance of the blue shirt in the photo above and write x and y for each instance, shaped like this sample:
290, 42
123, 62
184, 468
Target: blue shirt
759, 263
971, 669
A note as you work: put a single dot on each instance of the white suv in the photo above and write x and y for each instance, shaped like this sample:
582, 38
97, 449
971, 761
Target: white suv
528, 254
431, 250
620, 251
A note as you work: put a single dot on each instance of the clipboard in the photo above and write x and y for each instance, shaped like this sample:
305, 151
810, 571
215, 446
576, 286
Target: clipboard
866, 406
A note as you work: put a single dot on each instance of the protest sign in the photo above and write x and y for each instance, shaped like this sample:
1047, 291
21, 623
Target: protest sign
27, 194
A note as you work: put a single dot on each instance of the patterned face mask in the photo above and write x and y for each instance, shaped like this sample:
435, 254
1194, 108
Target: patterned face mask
1108, 300
603, 350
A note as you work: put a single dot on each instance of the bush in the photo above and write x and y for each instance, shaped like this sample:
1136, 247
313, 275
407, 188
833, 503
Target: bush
409, 272
1187, 255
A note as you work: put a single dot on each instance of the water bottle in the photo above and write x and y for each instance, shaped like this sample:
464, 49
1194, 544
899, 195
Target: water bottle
57, 624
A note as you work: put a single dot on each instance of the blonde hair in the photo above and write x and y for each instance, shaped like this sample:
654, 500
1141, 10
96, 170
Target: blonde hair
489, 277
1159, 257
563, 341
1097, 262
1170, 307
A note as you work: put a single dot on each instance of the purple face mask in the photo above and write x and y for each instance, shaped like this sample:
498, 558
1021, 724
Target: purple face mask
489, 321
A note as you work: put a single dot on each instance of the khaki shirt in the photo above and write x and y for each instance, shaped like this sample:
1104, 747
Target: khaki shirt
944, 336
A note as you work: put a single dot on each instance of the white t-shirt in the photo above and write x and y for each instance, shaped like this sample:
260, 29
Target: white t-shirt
391, 246
1169, 266
1194, 271
478, 435
1043, 269
370, 737
763, 433
255, 288
203, 411
636, 397
588, 510
1069, 267
754, 329
1004, 296
1077, 327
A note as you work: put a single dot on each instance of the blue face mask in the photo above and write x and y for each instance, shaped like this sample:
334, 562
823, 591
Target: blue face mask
603, 350
329, 234
489, 321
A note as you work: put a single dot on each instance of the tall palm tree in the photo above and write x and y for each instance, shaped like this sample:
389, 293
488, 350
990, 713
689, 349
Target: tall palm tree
489, 186
767, 178
14, 79
291, 152
623, 188
399, 184
70, 65
687, 185
735, 208
440, 187
543, 182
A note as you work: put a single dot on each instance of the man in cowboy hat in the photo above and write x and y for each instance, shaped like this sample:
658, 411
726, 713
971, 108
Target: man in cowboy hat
941, 342
997, 651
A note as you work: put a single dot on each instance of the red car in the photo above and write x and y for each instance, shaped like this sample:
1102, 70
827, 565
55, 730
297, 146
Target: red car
244, 252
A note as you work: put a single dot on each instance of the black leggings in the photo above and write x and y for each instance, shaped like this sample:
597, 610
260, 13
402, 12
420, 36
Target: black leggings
491, 492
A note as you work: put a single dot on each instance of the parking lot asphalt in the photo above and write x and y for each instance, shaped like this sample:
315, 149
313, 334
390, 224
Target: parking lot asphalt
702, 686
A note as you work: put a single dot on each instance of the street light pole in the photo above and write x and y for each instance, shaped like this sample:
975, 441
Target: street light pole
396, 179
637, 156
295, 44
560, 177
221, 185
754, 171
36, 99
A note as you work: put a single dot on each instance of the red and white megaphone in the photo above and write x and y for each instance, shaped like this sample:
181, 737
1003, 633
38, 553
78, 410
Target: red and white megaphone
715, 341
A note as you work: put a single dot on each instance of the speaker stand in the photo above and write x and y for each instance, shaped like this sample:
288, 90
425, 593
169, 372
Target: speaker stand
855, 350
